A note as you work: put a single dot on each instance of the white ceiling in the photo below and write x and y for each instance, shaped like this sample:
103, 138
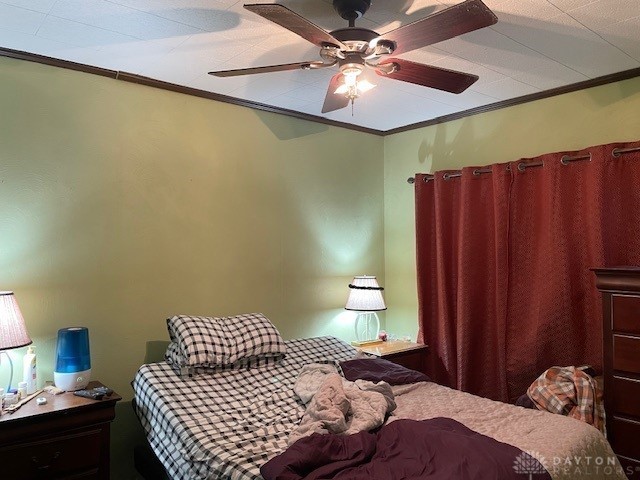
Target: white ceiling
536, 45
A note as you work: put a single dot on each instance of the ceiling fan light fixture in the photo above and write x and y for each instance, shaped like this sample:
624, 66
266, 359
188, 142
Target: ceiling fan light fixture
342, 89
349, 85
365, 86
352, 87
351, 75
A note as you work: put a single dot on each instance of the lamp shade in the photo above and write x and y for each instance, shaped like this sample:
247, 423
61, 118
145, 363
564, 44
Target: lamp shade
13, 332
365, 295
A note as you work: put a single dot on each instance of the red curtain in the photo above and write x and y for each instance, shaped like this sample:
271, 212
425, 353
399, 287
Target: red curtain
503, 261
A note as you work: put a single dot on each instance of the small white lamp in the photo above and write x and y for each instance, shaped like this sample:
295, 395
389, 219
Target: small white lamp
365, 297
13, 332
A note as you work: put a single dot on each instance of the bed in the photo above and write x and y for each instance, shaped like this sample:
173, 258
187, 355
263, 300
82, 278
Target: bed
227, 422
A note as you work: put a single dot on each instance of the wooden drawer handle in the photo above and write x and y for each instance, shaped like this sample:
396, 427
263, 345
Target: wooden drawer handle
36, 462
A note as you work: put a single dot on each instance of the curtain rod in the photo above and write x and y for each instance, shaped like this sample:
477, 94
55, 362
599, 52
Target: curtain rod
522, 166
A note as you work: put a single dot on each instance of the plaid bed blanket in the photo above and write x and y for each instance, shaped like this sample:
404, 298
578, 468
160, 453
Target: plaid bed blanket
225, 424
569, 391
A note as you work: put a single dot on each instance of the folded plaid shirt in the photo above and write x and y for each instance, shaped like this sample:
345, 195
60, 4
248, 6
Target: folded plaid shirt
569, 391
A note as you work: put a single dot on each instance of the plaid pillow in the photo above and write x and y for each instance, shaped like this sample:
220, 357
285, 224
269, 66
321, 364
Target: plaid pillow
179, 365
174, 358
201, 341
172, 355
254, 335
213, 342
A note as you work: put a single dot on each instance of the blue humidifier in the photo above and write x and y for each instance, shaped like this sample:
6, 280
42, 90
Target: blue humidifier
73, 361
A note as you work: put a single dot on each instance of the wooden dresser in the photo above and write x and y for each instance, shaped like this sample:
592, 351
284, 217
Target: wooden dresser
620, 289
64, 439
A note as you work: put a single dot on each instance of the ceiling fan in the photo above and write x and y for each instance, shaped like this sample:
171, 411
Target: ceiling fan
355, 49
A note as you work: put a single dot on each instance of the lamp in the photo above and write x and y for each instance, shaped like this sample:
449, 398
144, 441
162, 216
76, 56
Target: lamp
365, 297
352, 88
13, 332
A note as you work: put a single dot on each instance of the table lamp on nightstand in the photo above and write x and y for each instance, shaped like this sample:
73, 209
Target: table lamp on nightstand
365, 297
13, 332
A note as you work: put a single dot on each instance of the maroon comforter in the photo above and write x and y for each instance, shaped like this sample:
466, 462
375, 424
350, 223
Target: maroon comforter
435, 449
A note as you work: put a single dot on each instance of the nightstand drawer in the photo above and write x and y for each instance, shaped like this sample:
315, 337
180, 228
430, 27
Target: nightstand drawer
626, 314
626, 395
75, 452
624, 437
625, 353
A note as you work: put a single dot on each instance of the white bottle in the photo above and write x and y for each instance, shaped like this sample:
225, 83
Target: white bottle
22, 390
29, 369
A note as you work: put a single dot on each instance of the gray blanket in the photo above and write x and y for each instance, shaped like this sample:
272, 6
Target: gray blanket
336, 405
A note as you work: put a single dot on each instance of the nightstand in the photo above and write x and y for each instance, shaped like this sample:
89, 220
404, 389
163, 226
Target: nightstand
66, 438
408, 354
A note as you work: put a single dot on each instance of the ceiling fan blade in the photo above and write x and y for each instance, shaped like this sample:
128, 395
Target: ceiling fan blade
465, 17
270, 68
334, 101
428, 76
295, 23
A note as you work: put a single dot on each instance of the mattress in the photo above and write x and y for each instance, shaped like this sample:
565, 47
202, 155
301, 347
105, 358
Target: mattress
228, 423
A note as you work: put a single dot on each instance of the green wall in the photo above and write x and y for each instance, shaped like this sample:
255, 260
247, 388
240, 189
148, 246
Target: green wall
121, 205
572, 121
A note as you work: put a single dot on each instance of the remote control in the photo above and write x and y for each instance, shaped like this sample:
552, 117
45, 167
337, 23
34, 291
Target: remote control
104, 390
93, 394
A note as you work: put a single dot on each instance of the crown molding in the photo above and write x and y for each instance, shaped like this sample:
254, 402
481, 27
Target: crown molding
151, 82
